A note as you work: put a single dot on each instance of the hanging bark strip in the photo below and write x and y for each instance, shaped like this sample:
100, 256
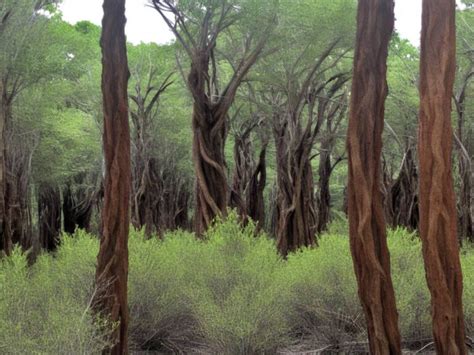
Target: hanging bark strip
437, 200
112, 261
368, 242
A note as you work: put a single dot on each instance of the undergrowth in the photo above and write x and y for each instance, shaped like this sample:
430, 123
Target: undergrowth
229, 293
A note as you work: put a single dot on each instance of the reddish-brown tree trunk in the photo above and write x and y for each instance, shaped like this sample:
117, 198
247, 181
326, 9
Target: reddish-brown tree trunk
368, 242
112, 261
437, 199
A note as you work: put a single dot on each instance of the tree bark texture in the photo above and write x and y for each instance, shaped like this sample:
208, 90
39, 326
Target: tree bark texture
437, 200
249, 177
112, 261
296, 215
209, 135
368, 242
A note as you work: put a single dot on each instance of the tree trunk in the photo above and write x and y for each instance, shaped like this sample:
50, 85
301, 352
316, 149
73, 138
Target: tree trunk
296, 216
437, 199
112, 261
404, 194
368, 242
209, 134
249, 177
254, 199
6, 243
49, 216
323, 203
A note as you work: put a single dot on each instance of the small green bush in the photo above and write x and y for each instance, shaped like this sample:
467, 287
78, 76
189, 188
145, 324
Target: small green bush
324, 304
44, 309
240, 307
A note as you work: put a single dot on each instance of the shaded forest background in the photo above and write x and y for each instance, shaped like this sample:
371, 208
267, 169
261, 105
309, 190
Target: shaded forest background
52, 117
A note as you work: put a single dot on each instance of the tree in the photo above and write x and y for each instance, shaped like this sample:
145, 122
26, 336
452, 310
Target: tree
437, 200
464, 133
112, 261
197, 26
375, 20
28, 55
249, 175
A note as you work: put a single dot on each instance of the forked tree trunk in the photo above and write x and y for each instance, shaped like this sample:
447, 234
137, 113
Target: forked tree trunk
112, 261
437, 199
368, 242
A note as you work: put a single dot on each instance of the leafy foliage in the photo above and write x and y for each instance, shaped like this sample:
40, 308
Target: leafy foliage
230, 293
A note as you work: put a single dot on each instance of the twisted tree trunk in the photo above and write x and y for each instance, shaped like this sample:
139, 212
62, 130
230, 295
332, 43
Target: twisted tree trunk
296, 215
209, 134
437, 199
249, 177
366, 214
112, 261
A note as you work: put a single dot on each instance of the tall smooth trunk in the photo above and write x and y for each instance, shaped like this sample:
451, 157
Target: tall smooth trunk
112, 261
368, 242
437, 199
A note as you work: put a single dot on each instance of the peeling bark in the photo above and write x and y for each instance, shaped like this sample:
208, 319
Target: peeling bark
112, 260
368, 242
437, 199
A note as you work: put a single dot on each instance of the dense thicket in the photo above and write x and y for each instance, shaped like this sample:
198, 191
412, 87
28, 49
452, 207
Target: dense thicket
229, 294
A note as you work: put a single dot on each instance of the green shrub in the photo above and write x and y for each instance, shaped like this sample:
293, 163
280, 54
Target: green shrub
44, 309
240, 308
411, 291
160, 292
324, 304
228, 293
